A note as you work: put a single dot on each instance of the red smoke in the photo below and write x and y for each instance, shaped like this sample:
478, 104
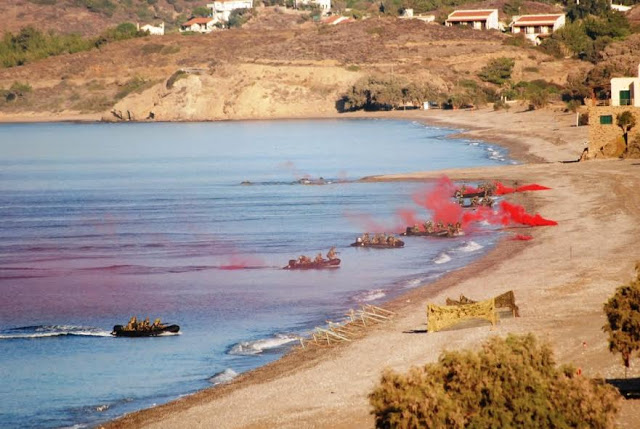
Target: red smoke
237, 262
523, 237
503, 190
516, 214
297, 173
367, 223
408, 217
438, 201
532, 187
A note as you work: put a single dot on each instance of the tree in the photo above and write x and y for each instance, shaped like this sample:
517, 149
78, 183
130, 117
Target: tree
497, 71
623, 321
201, 11
626, 121
510, 382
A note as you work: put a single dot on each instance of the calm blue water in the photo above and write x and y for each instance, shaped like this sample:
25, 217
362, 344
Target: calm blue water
103, 221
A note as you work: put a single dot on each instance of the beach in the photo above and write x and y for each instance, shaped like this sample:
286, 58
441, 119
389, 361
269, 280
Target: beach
560, 278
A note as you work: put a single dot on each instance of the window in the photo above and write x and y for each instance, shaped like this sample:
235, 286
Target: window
625, 98
606, 120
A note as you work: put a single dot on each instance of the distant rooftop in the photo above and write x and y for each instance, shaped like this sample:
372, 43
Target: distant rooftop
527, 20
471, 15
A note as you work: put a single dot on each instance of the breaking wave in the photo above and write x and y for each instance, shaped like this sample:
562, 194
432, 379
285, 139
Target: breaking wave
47, 331
223, 376
369, 295
248, 348
442, 258
470, 246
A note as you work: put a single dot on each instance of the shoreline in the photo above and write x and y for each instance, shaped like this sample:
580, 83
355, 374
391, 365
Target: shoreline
254, 394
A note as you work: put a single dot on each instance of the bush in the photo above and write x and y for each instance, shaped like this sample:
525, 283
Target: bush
510, 382
498, 71
623, 321
383, 93
136, 84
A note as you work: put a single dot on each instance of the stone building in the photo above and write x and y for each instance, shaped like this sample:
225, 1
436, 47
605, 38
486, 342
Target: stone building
606, 138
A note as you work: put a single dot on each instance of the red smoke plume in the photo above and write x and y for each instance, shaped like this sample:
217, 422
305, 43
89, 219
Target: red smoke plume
367, 223
532, 187
238, 262
438, 200
516, 214
408, 217
523, 237
502, 190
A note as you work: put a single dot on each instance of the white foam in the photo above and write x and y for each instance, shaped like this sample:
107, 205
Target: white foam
370, 295
470, 246
442, 258
223, 377
54, 331
259, 346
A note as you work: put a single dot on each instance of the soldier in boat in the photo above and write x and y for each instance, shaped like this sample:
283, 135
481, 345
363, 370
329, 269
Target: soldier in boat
331, 254
133, 324
439, 226
475, 201
428, 227
319, 259
365, 238
486, 201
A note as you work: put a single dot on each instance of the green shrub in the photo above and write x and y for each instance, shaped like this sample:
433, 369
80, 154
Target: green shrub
497, 71
384, 93
623, 321
202, 11
180, 74
20, 88
135, 84
510, 382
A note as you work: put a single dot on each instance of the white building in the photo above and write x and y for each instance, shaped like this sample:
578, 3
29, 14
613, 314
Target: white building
153, 30
536, 27
624, 91
482, 19
324, 5
408, 14
220, 10
198, 25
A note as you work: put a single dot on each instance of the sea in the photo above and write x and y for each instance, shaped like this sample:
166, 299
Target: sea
192, 223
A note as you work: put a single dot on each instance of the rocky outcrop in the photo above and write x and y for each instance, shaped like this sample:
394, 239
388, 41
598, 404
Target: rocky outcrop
246, 91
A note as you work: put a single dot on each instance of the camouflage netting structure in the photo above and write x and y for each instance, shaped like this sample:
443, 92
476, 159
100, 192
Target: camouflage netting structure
439, 317
505, 300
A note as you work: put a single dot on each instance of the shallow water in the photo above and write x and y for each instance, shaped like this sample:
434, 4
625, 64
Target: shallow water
103, 221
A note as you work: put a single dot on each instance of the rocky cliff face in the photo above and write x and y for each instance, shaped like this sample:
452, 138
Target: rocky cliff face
252, 91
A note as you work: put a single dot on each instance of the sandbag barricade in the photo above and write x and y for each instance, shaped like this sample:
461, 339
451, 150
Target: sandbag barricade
505, 300
439, 317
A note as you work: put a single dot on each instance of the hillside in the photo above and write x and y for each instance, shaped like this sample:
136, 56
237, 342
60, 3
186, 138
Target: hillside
90, 17
255, 72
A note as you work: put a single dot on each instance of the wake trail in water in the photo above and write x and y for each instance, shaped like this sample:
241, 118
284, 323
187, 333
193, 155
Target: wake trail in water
48, 331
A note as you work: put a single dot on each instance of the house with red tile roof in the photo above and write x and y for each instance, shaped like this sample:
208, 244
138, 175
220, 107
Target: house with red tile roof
482, 19
199, 25
337, 19
537, 27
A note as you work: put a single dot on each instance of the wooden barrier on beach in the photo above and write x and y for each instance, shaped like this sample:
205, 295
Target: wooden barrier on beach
505, 300
350, 328
439, 317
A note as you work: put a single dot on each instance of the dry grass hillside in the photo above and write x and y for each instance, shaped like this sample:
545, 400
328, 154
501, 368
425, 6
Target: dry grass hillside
90, 17
300, 70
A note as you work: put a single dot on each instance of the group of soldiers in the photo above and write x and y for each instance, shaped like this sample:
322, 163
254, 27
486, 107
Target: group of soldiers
331, 254
379, 238
450, 230
476, 201
486, 188
142, 325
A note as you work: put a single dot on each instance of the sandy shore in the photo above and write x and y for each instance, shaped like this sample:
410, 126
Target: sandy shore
561, 279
